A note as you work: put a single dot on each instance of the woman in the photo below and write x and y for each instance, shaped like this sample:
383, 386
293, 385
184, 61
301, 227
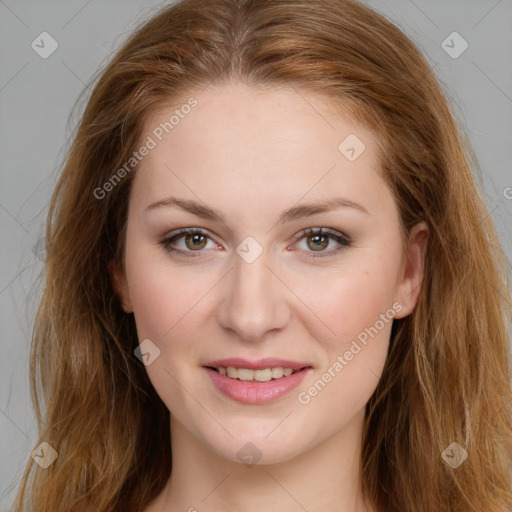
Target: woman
271, 283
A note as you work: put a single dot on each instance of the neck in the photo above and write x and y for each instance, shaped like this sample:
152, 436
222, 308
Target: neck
326, 477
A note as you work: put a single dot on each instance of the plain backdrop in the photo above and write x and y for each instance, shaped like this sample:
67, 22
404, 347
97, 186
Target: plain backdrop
37, 96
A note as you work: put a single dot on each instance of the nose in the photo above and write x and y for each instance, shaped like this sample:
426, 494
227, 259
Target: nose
254, 300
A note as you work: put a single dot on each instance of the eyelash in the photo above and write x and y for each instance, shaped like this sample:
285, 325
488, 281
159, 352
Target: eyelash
341, 238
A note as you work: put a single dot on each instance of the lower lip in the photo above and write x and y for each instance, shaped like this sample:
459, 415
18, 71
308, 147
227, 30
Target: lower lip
254, 393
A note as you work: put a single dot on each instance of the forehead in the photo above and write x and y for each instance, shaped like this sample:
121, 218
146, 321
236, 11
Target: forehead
238, 139
251, 115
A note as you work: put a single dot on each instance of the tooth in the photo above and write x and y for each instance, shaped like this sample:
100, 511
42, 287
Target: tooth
263, 375
245, 374
277, 373
232, 372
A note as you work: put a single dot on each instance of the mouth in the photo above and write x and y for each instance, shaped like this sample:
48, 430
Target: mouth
256, 382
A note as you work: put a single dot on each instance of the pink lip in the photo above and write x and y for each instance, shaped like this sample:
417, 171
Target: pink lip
255, 393
259, 364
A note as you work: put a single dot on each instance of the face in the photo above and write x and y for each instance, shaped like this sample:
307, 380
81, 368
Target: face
253, 284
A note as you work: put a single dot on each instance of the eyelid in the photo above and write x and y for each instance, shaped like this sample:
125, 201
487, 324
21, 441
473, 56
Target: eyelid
322, 230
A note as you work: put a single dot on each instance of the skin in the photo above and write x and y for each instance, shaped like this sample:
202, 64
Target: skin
251, 154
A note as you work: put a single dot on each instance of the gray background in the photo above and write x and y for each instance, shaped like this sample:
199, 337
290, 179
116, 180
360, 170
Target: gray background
37, 97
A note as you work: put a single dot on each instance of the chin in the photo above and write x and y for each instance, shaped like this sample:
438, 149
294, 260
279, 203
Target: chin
260, 448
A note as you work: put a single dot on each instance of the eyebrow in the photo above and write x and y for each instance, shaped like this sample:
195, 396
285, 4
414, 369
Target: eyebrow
296, 212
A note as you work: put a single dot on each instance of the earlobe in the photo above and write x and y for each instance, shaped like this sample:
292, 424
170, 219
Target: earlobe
413, 269
119, 284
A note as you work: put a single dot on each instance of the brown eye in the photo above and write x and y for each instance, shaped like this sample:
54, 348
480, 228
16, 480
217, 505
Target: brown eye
319, 242
186, 242
195, 241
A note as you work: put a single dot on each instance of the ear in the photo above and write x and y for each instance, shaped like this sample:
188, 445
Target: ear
408, 289
120, 284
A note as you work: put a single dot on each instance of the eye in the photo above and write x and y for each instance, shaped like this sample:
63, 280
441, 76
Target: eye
318, 239
195, 239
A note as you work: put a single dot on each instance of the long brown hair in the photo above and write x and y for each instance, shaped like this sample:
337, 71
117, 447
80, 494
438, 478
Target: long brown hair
446, 378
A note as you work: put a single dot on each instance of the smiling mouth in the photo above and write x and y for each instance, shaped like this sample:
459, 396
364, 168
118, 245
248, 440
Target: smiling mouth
261, 375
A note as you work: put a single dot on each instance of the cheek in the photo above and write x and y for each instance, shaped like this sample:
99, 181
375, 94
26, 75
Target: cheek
356, 312
162, 296
359, 310
167, 308
351, 299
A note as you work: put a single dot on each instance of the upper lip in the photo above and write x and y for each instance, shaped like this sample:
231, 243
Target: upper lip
257, 364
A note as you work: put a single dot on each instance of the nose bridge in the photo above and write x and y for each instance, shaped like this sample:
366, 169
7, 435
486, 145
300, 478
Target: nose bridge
255, 301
